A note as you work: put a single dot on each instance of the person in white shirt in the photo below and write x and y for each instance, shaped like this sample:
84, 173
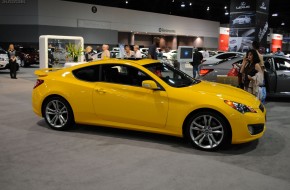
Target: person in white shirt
106, 52
137, 52
205, 54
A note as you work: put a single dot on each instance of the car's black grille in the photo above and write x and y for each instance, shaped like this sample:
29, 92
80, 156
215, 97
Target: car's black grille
262, 107
257, 128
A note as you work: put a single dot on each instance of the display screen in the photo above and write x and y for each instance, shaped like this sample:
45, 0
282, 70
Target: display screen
186, 53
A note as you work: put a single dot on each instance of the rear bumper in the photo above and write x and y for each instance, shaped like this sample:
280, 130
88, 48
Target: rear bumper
36, 102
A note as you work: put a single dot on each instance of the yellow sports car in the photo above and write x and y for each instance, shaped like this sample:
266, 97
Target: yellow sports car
147, 95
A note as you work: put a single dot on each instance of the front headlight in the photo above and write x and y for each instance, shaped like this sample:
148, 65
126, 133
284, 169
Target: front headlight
240, 107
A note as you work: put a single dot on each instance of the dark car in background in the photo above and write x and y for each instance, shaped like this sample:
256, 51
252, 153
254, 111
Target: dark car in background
277, 72
27, 55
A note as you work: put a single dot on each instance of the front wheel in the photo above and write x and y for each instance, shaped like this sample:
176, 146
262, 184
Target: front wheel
58, 113
207, 131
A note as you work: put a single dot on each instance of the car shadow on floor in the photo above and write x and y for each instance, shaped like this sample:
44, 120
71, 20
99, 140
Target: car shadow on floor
149, 140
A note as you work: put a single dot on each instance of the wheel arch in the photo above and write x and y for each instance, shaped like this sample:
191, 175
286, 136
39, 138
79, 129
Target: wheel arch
209, 110
52, 96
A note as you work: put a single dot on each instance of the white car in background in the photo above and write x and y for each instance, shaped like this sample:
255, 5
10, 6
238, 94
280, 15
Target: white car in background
220, 57
242, 19
168, 55
144, 51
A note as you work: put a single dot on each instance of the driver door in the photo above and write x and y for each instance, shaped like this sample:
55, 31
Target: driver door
119, 97
283, 74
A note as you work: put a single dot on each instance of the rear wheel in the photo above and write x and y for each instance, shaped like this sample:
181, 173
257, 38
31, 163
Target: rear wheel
207, 131
58, 113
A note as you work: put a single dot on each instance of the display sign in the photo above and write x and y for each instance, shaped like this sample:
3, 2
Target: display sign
224, 39
276, 42
263, 6
242, 5
248, 23
164, 30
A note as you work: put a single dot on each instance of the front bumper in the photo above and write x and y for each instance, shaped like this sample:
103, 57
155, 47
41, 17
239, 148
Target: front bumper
248, 127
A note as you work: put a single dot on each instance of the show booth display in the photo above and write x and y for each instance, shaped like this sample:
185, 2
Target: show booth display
60, 51
184, 56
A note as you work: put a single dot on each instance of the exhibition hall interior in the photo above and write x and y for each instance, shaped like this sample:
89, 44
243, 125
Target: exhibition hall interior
135, 94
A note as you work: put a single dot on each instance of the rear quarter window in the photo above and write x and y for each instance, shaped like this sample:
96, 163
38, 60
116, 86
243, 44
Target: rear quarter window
89, 74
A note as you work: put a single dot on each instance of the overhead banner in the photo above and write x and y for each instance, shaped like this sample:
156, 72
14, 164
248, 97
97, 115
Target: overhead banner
224, 39
248, 22
276, 42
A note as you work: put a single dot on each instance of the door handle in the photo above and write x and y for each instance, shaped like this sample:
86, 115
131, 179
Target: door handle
100, 90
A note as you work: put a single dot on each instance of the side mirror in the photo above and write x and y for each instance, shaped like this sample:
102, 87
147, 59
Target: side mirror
150, 84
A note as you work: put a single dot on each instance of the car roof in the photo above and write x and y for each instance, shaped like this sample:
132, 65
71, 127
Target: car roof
277, 56
141, 62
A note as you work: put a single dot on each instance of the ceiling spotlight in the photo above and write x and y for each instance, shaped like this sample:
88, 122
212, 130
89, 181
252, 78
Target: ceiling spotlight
275, 14
207, 8
190, 4
226, 13
127, 2
226, 7
182, 4
283, 23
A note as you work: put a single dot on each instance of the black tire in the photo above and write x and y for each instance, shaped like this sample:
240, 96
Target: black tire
58, 114
207, 130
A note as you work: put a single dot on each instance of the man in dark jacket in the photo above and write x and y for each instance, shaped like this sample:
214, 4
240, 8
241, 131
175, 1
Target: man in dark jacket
197, 57
152, 54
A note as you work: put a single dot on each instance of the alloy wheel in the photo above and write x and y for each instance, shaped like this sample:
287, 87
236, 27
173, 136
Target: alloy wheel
56, 113
206, 131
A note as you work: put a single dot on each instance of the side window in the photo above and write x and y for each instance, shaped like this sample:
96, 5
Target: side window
282, 64
268, 63
123, 74
225, 56
89, 74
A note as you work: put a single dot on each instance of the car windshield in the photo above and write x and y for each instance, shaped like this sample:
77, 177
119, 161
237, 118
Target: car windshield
170, 75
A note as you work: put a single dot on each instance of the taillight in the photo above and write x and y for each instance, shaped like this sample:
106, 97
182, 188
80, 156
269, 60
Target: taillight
38, 83
204, 72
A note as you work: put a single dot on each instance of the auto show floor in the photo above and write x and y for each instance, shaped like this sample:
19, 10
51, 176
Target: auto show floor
34, 157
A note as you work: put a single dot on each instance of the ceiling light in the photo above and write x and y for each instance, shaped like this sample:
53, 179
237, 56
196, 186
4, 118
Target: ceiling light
182, 4
275, 14
226, 13
283, 23
226, 7
172, 1
190, 4
207, 8
127, 2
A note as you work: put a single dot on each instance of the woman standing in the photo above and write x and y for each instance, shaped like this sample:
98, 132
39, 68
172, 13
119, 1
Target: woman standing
253, 73
106, 52
12, 61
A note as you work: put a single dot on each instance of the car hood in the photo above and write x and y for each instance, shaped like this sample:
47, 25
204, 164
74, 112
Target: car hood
225, 92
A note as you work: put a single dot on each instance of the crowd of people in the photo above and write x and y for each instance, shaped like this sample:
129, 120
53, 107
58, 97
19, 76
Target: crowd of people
105, 53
